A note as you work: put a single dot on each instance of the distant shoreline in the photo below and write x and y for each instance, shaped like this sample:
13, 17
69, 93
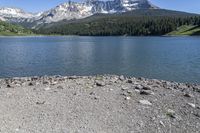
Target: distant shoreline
97, 36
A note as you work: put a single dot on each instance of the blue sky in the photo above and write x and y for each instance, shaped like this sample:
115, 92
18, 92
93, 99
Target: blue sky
41, 5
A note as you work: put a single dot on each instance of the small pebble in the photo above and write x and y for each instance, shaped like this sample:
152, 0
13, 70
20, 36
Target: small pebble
60, 87
192, 105
121, 78
96, 97
145, 92
47, 88
146, 88
39, 103
188, 95
161, 123
8, 86
129, 81
100, 83
124, 88
30, 84
45, 82
128, 98
171, 113
139, 87
145, 102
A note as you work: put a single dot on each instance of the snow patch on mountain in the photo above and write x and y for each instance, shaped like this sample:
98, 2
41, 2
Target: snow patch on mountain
14, 12
73, 10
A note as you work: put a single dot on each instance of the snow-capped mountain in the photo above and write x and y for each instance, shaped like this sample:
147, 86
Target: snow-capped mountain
69, 10
74, 10
14, 12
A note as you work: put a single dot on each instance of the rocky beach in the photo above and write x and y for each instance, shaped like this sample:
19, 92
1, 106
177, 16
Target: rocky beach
98, 104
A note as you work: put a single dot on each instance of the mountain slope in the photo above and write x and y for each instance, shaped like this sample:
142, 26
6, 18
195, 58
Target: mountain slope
134, 13
76, 10
137, 22
10, 29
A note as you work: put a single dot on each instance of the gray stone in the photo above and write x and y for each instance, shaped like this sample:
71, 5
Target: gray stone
145, 102
192, 105
60, 87
141, 79
129, 92
54, 83
30, 84
146, 88
128, 98
73, 77
188, 95
96, 97
129, 81
161, 123
100, 83
121, 78
34, 78
171, 113
47, 88
45, 82
145, 92
139, 87
124, 88
197, 114
40, 103
197, 89
92, 93
8, 86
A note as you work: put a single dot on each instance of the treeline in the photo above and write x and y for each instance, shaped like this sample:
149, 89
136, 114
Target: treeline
14, 29
122, 25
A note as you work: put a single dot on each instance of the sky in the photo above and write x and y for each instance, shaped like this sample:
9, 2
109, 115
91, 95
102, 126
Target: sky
192, 6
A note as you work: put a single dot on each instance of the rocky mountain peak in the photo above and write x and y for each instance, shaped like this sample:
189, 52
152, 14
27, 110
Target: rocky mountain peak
74, 10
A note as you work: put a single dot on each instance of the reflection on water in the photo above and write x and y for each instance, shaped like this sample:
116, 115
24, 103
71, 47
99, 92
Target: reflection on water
170, 58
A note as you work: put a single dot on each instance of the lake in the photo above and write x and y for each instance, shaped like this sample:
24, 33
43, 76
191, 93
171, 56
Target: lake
167, 58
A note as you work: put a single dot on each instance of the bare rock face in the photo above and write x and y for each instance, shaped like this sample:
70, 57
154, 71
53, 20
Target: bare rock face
72, 10
93, 104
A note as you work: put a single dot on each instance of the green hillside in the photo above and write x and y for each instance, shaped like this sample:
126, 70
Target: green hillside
186, 30
7, 29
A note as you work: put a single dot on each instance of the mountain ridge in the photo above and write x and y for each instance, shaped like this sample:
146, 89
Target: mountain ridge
73, 10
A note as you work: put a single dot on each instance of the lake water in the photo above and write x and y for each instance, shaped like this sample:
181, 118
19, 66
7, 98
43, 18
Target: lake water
168, 58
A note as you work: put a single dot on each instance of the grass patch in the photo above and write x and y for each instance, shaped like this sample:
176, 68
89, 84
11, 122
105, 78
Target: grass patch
186, 30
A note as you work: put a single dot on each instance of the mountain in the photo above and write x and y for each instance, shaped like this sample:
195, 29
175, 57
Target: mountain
136, 22
72, 10
14, 14
139, 13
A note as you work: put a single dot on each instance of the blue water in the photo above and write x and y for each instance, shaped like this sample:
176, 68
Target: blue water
168, 58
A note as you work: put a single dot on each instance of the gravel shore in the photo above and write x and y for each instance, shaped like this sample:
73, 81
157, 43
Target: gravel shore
98, 104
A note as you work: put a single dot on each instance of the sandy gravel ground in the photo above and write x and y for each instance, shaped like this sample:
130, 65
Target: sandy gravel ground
98, 104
